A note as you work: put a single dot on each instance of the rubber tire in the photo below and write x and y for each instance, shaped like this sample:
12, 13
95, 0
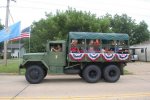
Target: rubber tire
80, 74
45, 73
35, 77
89, 70
110, 78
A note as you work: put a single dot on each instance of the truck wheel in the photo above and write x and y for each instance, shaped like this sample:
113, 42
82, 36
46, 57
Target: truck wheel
111, 73
45, 73
80, 74
34, 74
92, 73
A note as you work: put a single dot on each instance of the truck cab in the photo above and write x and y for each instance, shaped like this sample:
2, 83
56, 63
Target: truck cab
56, 54
92, 56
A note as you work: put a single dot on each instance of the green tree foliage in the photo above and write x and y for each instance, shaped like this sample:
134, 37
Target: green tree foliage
124, 24
141, 33
1, 26
56, 27
1, 43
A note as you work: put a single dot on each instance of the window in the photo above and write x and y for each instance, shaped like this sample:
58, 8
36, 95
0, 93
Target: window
93, 45
55, 47
77, 46
142, 50
122, 46
108, 46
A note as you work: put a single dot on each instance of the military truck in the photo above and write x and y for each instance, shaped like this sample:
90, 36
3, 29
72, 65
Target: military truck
93, 56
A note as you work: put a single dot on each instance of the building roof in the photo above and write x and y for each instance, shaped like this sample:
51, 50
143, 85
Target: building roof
15, 46
141, 45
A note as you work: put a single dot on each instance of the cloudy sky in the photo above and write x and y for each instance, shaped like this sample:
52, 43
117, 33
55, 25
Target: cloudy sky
28, 11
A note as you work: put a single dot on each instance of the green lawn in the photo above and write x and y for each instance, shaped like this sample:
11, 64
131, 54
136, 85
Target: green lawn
126, 72
12, 66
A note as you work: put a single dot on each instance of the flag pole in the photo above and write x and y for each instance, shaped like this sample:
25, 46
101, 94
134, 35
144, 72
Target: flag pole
29, 44
29, 37
19, 56
19, 51
11, 49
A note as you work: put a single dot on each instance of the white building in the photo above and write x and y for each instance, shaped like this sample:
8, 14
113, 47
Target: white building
16, 50
142, 50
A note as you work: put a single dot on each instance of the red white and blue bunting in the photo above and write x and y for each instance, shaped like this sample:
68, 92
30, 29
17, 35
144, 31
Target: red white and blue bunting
108, 56
93, 56
96, 56
122, 56
77, 56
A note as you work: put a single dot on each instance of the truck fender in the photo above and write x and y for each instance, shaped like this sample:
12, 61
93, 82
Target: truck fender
23, 65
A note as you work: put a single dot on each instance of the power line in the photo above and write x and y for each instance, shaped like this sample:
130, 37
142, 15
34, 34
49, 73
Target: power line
107, 11
58, 4
35, 2
77, 7
2, 6
11, 16
36, 8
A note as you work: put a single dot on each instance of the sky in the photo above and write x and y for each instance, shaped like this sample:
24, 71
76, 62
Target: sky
28, 11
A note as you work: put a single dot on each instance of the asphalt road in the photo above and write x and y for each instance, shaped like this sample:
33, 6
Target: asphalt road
66, 87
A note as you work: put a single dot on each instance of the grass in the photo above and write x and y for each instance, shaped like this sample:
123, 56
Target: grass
12, 66
126, 72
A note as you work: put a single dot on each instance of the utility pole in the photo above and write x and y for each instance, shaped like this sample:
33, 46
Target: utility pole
6, 27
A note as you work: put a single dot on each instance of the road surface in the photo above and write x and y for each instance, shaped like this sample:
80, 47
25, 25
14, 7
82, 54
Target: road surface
66, 87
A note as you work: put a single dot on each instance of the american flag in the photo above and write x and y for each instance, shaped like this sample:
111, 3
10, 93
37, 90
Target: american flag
25, 33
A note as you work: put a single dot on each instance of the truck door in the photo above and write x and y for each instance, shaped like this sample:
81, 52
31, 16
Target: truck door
57, 54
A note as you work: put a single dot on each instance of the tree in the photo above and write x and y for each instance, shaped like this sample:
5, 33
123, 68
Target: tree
141, 33
1, 26
1, 43
124, 24
105, 23
57, 26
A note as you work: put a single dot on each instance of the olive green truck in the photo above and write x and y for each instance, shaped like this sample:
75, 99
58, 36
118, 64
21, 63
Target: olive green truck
93, 56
